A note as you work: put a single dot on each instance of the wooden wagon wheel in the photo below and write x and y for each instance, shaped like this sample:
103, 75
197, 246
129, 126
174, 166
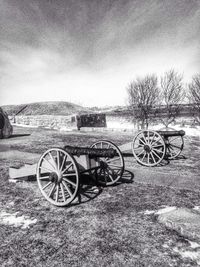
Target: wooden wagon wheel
58, 176
110, 170
174, 144
148, 148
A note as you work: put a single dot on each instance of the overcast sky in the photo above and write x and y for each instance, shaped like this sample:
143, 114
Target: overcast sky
87, 51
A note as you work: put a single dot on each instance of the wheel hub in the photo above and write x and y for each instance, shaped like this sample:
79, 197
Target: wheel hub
147, 148
55, 178
103, 164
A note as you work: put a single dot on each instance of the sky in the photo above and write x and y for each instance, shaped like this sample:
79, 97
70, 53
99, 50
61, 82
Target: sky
88, 51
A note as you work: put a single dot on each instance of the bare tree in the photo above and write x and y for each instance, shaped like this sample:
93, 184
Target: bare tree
194, 96
172, 95
143, 95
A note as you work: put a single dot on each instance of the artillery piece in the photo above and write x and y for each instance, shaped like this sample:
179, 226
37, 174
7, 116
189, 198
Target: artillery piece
151, 147
59, 169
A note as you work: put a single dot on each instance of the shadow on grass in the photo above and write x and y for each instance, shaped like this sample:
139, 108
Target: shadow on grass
179, 158
90, 189
19, 135
163, 163
127, 178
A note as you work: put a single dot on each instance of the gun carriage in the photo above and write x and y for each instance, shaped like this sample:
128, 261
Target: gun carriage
151, 147
59, 169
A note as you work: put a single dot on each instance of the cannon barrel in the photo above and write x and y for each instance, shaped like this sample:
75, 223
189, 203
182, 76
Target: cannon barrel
171, 133
91, 152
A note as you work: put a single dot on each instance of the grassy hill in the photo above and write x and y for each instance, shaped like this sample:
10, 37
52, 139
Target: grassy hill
46, 108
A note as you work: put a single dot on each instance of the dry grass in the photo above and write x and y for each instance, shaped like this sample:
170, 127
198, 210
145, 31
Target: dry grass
108, 228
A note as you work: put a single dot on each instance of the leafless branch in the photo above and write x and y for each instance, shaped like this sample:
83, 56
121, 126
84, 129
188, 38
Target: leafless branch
143, 94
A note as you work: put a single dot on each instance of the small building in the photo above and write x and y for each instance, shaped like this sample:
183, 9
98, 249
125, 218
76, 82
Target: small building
90, 120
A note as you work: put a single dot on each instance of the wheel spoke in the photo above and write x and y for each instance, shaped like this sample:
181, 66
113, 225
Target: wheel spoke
172, 145
144, 139
153, 157
140, 140
52, 190
48, 162
143, 151
148, 158
169, 148
67, 188
57, 192
70, 182
114, 159
110, 176
58, 159
52, 158
154, 134
63, 192
170, 152
108, 146
114, 171
159, 151
44, 168
115, 166
156, 154
44, 177
159, 145
144, 156
48, 184
67, 168
63, 161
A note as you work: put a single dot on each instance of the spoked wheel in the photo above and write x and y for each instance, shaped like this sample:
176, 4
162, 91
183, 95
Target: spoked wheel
58, 177
148, 148
110, 170
174, 146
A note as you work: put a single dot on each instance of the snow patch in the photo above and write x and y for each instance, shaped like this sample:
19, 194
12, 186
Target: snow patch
165, 210
160, 211
148, 212
193, 255
193, 244
16, 221
25, 125
196, 208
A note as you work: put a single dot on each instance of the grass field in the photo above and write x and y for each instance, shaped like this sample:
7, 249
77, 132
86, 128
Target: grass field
104, 227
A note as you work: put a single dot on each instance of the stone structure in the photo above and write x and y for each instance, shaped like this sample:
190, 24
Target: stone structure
47, 121
63, 122
6, 128
91, 120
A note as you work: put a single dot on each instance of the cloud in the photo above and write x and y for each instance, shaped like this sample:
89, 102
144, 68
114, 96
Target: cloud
88, 51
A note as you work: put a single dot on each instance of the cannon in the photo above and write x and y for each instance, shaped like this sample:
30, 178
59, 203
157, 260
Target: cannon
151, 147
59, 169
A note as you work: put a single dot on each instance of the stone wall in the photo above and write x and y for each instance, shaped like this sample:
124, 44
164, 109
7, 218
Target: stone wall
62, 122
47, 121
70, 122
